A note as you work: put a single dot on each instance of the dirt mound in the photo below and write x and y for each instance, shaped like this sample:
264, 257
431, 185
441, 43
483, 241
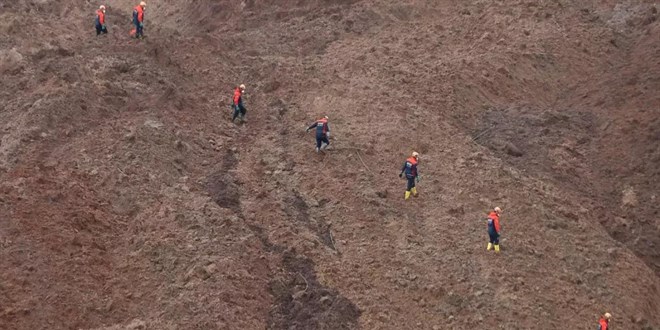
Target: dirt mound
130, 201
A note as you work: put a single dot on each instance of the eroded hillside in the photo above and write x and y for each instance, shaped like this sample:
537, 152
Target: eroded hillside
129, 200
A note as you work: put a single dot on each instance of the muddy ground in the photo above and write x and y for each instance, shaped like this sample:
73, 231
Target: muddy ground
128, 200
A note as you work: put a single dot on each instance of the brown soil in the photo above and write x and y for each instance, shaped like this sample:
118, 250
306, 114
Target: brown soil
129, 201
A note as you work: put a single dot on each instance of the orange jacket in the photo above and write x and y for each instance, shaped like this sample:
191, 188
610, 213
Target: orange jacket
100, 17
237, 96
410, 168
138, 13
322, 127
496, 220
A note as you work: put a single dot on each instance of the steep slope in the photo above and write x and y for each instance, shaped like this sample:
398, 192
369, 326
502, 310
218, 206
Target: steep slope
133, 202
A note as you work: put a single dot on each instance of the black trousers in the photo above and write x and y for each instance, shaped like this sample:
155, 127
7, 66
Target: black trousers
321, 139
411, 183
239, 110
494, 237
101, 29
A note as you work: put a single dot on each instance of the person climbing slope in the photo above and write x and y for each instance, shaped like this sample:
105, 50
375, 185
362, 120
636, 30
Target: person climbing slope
410, 169
494, 229
138, 19
237, 103
322, 133
100, 21
604, 322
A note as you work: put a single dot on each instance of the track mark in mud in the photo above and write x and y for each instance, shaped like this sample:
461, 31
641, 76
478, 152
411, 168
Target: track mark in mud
300, 300
294, 204
297, 208
303, 303
263, 238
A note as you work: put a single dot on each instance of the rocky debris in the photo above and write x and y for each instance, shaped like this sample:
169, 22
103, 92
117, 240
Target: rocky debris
512, 150
457, 210
201, 272
325, 300
629, 197
11, 61
153, 123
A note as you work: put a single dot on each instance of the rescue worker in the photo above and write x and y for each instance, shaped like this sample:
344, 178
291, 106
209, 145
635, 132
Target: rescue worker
604, 322
237, 103
138, 19
322, 133
410, 169
494, 229
100, 21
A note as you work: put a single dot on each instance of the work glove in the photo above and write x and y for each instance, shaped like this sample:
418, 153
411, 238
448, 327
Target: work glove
417, 179
306, 130
141, 25
327, 134
401, 175
103, 27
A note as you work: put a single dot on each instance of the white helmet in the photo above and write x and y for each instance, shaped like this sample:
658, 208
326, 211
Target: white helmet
143, 4
497, 209
607, 316
102, 7
415, 154
242, 87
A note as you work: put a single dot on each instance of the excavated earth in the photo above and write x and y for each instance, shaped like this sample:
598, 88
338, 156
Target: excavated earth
128, 200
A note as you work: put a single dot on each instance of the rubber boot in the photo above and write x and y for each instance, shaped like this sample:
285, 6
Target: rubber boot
497, 248
414, 191
490, 247
317, 150
407, 195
